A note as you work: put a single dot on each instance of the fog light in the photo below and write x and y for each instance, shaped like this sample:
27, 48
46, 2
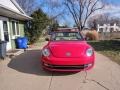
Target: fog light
45, 64
89, 65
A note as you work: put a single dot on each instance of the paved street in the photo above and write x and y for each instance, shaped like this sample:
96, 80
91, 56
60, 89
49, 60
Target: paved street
24, 72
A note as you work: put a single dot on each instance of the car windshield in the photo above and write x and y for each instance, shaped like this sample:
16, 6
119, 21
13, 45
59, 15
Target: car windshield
66, 36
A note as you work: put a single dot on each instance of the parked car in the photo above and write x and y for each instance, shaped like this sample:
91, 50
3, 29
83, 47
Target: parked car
67, 51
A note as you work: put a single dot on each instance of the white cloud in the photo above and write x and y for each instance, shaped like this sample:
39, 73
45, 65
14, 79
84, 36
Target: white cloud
111, 9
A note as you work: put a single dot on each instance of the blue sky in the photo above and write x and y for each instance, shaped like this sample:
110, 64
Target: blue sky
117, 2
113, 8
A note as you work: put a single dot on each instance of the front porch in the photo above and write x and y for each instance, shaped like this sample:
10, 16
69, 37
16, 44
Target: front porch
10, 29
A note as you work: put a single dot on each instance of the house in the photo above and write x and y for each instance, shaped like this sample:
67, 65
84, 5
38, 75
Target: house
108, 28
12, 19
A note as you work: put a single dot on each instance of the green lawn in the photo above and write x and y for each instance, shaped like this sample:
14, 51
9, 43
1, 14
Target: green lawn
109, 48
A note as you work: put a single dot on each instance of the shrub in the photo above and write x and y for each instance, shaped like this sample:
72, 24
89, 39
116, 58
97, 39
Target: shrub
92, 35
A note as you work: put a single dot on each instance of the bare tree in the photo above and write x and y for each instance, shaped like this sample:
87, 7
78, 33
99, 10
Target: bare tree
102, 19
99, 19
81, 10
28, 5
54, 9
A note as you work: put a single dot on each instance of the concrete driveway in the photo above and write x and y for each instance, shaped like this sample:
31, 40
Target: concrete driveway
25, 73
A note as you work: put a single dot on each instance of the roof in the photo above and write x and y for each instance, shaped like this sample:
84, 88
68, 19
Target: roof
10, 8
17, 5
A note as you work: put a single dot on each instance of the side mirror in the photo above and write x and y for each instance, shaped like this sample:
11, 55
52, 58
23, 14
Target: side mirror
47, 39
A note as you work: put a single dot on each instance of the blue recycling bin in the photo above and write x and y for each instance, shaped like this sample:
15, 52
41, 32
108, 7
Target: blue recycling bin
21, 42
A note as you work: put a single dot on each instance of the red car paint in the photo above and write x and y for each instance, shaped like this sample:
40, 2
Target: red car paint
76, 60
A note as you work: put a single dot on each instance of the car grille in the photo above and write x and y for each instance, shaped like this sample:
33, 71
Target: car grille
70, 67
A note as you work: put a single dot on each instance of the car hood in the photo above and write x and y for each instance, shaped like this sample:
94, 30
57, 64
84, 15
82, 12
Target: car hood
68, 49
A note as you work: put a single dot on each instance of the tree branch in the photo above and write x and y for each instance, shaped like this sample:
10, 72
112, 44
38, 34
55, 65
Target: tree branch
81, 10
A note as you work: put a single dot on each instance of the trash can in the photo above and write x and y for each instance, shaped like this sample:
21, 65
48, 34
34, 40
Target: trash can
21, 42
3, 45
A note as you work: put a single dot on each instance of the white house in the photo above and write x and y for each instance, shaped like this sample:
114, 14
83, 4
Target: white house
108, 28
12, 19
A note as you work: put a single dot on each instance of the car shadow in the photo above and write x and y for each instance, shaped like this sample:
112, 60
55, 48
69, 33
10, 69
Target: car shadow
30, 63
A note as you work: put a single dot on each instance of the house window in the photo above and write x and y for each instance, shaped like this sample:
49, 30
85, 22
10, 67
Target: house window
5, 28
15, 28
101, 30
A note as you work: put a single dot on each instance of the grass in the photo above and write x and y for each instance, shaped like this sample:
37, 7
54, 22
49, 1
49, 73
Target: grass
110, 48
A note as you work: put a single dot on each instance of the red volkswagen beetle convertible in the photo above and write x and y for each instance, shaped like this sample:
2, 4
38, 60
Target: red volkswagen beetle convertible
67, 51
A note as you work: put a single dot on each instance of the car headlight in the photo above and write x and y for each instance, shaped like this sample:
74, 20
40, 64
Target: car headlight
89, 52
46, 52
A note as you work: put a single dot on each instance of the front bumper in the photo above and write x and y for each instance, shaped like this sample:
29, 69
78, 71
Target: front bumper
67, 64
68, 68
